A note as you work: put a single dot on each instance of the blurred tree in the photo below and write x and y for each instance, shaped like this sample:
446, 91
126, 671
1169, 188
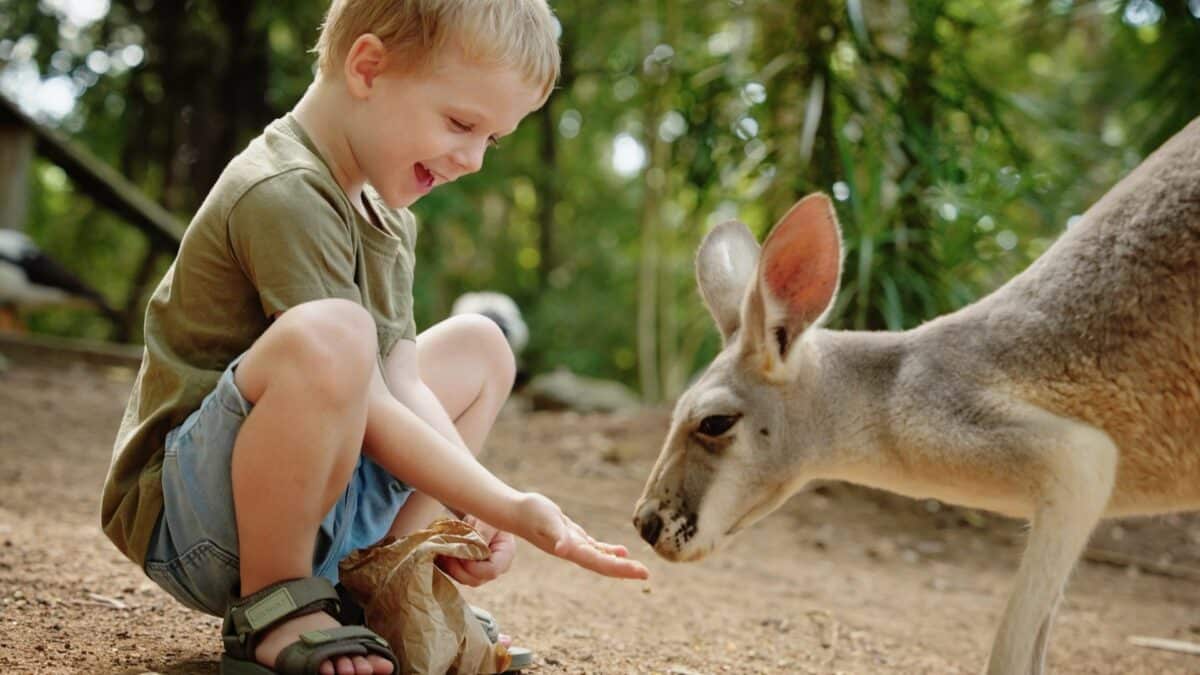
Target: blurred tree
957, 137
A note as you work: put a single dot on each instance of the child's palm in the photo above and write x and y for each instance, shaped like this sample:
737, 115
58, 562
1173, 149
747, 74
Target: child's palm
553, 532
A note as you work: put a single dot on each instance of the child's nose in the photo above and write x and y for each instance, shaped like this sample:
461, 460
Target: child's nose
469, 157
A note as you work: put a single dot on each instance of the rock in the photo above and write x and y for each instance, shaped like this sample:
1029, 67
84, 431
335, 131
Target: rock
823, 537
973, 519
619, 453
930, 547
938, 584
883, 550
564, 390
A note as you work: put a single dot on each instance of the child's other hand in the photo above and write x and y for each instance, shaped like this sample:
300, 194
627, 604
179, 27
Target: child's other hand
478, 572
552, 531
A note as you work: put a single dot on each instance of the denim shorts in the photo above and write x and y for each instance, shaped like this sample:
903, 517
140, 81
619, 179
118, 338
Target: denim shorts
193, 554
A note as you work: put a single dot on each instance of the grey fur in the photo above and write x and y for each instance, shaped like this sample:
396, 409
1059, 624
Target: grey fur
1070, 393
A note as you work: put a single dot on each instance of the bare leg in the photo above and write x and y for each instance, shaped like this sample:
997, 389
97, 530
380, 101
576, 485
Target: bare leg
467, 364
308, 378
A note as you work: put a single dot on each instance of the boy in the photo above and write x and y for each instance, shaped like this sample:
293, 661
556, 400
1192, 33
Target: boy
286, 412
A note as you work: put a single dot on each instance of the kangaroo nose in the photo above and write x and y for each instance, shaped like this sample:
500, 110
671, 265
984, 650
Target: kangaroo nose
649, 524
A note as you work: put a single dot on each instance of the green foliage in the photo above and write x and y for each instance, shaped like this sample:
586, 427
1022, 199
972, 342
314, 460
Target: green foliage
958, 137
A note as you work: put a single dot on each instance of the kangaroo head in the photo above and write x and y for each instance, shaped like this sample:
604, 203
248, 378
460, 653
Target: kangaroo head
748, 433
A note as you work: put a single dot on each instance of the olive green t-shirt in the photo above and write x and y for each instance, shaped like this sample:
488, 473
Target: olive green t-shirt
275, 231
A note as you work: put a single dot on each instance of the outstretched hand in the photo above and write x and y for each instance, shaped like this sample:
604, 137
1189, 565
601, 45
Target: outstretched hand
548, 528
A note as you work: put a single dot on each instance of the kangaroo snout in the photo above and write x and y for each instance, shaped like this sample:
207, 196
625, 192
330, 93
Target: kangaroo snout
648, 523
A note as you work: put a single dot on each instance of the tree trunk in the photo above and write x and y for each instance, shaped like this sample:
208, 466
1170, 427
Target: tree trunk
648, 264
672, 375
16, 158
547, 191
919, 124
800, 99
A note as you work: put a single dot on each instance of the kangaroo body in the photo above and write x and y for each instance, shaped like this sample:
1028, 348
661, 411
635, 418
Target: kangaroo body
1069, 394
1104, 328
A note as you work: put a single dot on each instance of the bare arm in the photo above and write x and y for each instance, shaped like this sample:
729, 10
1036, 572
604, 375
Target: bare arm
410, 434
402, 377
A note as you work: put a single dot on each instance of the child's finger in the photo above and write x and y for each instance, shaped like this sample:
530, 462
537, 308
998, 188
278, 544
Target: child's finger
621, 568
613, 549
598, 561
483, 570
459, 572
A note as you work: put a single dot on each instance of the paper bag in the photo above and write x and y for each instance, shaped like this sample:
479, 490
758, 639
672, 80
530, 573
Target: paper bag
417, 608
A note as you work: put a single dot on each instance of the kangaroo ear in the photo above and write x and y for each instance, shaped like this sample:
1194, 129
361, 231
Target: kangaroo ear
797, 277
724, 268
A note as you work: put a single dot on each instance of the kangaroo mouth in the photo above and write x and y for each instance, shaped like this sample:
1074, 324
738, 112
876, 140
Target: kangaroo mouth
761, 508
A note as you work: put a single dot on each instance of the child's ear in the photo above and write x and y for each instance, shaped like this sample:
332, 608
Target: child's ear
365, 60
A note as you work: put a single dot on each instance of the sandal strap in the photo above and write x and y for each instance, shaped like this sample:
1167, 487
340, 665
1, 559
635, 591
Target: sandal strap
306, 654
249, 617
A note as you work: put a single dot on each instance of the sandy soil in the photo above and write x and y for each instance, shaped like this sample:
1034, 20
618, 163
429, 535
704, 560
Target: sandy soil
841, 580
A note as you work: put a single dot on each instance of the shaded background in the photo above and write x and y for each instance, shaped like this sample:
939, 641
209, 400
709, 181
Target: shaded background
958, 138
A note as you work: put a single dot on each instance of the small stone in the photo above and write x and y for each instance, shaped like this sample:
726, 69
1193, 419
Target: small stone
930, 547
823, 537
882, 550
939, 584
974, 519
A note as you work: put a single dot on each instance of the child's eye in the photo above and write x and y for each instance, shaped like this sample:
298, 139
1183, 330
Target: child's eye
458, 125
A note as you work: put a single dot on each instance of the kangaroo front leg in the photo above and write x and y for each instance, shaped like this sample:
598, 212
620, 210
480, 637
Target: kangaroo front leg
1043, 637
1075, 491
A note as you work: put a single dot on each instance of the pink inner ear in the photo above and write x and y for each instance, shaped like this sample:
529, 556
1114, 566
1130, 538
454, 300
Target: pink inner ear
801, 260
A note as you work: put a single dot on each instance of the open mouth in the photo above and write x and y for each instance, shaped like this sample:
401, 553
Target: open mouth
425, 177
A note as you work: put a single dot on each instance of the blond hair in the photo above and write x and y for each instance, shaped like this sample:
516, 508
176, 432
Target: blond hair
519, 34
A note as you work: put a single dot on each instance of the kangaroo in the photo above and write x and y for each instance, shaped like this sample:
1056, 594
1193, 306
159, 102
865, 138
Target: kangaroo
1069, 394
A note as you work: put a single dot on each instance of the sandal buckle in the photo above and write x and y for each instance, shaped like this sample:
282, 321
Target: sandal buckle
270, 609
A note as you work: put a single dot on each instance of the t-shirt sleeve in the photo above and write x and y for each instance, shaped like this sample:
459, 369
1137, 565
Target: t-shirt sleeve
290, 236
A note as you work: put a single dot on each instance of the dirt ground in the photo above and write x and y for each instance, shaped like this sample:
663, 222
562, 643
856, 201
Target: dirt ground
841, 580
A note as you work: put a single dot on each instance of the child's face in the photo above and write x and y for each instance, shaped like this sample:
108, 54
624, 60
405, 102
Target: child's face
417, 130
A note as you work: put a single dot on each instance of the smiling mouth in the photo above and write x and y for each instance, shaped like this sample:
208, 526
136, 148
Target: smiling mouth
425, 178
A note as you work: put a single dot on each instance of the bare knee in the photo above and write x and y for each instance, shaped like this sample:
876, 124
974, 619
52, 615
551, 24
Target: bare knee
328, 347
497, 359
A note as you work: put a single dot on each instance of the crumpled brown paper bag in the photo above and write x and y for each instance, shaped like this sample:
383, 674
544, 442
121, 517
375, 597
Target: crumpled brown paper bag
417, 608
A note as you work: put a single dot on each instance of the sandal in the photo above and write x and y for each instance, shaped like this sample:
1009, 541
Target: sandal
249, 618
521, 657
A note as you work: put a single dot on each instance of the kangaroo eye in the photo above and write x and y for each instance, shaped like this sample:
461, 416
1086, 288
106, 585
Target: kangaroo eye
717, 425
